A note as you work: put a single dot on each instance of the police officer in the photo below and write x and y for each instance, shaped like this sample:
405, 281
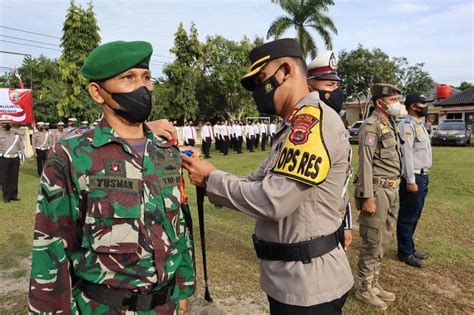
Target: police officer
416, 165
295, 194
376, 190
84, 124
41, 143
71, 124
58, 133
323, 79
206, 138
110, 235
11, 159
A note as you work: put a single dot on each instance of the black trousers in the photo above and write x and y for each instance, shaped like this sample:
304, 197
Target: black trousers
206, 146
9, 169
225, 145
328, 308
240, 140
40, 159
190, 142
257, 140
264, 141
250, 142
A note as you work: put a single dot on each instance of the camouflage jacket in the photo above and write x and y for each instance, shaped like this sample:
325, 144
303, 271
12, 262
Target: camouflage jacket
107, 216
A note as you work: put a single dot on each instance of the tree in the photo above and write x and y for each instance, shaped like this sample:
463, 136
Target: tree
303, 15
44, 74
183, 74
361, 68
225, 63
80, 37
464, 86
413, 78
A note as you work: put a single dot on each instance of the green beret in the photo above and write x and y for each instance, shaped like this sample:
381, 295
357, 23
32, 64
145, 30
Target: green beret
111, 59
384, 89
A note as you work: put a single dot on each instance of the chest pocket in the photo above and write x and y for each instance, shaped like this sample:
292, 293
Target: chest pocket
420, 140
113, 211
387, 149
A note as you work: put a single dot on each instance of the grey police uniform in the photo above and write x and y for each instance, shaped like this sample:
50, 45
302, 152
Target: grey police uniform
289, 211
417, 155
379, 177
11, 152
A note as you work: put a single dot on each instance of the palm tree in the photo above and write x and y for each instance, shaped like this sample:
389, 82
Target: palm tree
304, 15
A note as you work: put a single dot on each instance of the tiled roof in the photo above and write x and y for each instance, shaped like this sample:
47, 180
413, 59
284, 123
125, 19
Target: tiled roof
466, 97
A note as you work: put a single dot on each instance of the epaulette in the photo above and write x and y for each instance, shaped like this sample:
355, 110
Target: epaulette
370, 120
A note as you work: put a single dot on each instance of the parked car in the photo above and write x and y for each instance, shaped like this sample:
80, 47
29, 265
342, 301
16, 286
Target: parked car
354, 131
452, 132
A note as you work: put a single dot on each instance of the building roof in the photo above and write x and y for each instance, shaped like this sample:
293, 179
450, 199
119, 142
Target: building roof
466, 97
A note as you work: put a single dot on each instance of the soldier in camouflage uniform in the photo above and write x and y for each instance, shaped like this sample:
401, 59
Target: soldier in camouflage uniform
110, 234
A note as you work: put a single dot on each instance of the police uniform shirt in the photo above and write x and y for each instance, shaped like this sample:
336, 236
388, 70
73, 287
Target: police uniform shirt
41, 140
263, 128
272, 129
250, 130
416, 148
189, 132
256, 128
289, 211
238, 131
11, 143
379, 153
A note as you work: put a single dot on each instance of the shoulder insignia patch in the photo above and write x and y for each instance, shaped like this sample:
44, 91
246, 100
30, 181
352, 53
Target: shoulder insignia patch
304, 156
407, 135
370, 139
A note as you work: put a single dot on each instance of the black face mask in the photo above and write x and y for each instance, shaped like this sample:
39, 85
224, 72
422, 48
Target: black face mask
422, 111
333, 99
264, 93
135, 106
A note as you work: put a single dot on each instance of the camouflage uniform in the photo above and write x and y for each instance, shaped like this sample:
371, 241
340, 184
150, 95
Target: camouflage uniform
107, 216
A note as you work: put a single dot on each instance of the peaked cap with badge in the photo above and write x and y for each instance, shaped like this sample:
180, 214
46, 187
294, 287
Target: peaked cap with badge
111, 59
261, 55
383, 90
324, 67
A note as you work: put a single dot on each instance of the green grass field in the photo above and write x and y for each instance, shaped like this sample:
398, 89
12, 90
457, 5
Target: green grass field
444, 286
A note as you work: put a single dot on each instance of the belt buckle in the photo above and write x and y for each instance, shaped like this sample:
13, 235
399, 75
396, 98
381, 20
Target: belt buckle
392, 183
140, 302
305, 252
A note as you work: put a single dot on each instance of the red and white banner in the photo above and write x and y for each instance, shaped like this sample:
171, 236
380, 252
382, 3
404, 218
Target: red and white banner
16, 105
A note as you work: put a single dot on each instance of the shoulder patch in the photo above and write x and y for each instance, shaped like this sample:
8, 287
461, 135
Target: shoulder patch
370, 139
304, 156
407, 135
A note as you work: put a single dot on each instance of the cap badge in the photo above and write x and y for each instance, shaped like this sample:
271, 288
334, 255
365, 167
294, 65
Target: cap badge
268, 88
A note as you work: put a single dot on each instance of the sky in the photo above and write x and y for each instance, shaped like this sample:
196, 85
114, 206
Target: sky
438, 33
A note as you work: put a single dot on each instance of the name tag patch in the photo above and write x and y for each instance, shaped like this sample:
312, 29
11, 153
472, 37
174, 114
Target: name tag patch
304, 156
113, 183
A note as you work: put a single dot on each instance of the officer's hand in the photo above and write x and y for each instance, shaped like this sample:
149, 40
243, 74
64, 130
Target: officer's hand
369, 206
347, 239
183, 306
412, 187
21, 163
164, 128
198, 170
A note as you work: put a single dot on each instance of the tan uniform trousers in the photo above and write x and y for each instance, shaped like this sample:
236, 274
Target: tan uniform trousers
376, 230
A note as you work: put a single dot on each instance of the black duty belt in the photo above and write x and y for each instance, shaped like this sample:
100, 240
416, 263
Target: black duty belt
132, 301
301, 251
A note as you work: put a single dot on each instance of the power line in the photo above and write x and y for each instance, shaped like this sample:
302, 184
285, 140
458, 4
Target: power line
29, 40
7, 41
164, 56
24, 31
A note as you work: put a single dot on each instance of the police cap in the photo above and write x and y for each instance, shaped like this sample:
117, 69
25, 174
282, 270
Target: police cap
383, 90
261, 55
417, 98
324, 67
111, 59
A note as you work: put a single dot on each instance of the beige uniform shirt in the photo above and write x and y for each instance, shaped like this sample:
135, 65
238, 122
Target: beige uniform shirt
379, 153
41, 140
7, 139
56, 135
288, 211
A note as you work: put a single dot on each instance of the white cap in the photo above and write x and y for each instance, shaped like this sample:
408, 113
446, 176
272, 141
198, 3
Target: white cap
324, 67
